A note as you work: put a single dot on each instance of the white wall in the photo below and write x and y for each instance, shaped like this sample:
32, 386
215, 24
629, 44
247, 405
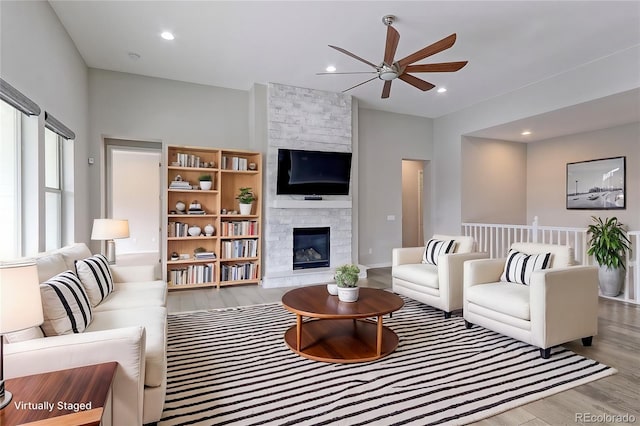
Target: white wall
546, 175
38, 58
494, 181
385, 139
614, 74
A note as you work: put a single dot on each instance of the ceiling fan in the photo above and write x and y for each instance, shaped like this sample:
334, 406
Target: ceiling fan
389, 69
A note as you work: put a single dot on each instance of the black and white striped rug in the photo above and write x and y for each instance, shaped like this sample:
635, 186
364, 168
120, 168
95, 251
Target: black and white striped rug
232, 366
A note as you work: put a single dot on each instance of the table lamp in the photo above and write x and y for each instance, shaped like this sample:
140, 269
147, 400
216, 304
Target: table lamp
20, 306
108, 230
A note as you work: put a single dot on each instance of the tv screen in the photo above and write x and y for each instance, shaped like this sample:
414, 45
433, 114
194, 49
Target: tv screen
313, 172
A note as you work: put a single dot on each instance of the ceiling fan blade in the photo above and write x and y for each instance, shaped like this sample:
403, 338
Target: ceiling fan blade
432, 49
416, 82
392, 44
386, 89
346, 52
359, 84
357, 72
442, 67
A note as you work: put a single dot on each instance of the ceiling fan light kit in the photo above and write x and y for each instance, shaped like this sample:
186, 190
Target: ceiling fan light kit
389, 69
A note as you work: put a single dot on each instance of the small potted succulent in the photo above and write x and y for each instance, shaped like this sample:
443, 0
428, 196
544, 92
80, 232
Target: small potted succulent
206, 182
346, 277
246, 197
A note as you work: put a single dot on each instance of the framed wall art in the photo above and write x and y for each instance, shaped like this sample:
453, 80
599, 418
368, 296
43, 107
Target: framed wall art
597, 184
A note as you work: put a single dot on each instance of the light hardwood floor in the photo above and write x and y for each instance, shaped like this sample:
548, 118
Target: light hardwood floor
617, 345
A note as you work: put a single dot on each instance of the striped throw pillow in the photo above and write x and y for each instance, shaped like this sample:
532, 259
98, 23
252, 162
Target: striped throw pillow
95, 275
65, 305
519, 266
436, 248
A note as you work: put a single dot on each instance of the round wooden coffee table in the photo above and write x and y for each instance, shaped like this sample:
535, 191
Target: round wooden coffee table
340, 331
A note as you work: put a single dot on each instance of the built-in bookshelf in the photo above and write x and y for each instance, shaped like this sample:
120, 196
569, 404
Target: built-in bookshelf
208, 243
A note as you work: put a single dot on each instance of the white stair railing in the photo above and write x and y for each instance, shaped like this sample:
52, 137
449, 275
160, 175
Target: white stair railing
496, 238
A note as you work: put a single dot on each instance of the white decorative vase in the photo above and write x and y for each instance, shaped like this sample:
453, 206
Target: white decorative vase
206, 185
332, 288
348, 294
610, 280
194, 231
245, 209
209, 230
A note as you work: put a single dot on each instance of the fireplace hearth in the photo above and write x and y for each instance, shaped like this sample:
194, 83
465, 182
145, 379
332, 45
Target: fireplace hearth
311, 248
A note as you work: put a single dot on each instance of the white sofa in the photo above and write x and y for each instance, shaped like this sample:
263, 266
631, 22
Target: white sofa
560, 303
129, 326
438, 285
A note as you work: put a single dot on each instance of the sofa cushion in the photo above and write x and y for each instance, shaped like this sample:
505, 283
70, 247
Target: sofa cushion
135, 295
95, 275
49, 265
23, 335
65, 305
154, 320
561, 256
507, 298
464, 244
418, 273
436, 248
519, 266
73, 252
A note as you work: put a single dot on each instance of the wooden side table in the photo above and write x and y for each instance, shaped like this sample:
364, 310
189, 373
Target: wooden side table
75, 397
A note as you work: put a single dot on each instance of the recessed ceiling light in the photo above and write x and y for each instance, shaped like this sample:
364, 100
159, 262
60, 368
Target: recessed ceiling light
167, 35
330, 68
526, 133
442, 90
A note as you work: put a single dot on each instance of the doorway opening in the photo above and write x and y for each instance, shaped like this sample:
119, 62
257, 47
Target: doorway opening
415, 214
133, 192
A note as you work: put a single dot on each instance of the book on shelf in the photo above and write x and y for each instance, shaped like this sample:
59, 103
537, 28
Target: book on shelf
192, 274
239, 248
239, 272
238, 228
187, 160
204, 255
177, 184
196, 211
234, 163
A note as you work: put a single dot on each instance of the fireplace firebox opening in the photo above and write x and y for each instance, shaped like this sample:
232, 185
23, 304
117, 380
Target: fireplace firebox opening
311, 248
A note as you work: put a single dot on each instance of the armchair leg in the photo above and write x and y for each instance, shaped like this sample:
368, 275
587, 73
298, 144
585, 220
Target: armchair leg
545, 353
447, 315
467, 324
586, 341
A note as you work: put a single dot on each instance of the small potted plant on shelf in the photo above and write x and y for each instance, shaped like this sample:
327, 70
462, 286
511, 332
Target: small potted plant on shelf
346, 277
246, 197
609, 244
206, 182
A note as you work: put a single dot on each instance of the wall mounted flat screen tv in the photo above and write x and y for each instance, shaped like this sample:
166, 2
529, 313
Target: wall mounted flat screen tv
303, 172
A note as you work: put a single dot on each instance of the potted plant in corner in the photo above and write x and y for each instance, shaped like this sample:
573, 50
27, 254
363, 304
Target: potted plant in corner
246, 199
609, 244
205, 182
347, 280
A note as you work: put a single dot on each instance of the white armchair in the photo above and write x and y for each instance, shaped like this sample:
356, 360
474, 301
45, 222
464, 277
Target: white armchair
438, 285
560, 304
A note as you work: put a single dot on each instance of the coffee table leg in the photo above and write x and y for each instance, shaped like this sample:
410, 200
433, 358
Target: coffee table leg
298, 331
379, 338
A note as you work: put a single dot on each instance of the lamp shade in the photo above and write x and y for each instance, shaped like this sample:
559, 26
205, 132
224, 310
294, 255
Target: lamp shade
20, 302
109, 229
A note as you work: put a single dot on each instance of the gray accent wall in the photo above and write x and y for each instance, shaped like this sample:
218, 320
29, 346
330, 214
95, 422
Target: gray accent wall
38, 58
546, 175
385, 139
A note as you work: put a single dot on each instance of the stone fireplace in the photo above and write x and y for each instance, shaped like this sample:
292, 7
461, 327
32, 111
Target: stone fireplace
306, 119
311, 248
